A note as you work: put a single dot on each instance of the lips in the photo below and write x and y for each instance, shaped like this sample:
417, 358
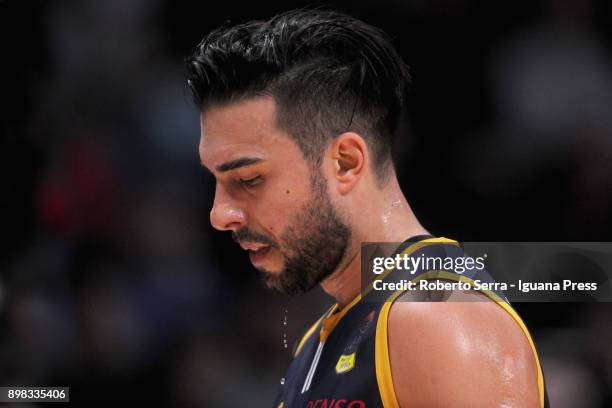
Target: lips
256, 251
252, 246
257, 255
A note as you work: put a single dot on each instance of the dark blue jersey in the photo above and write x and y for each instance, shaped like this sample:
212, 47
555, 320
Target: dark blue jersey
343, 359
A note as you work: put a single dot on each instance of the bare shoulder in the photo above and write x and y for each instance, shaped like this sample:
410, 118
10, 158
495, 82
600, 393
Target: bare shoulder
467, 352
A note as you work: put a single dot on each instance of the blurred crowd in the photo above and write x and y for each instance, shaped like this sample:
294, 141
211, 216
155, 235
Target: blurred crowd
112, 282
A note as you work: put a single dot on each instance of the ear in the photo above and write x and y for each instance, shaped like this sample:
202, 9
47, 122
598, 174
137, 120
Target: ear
349, 157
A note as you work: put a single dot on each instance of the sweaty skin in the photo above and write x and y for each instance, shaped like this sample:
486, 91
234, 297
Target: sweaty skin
460, 354
465, 350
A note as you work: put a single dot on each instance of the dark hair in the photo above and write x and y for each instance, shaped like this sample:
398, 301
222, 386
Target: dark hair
328, 73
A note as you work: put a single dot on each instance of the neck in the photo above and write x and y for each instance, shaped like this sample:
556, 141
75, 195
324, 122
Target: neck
392, 220
345, 283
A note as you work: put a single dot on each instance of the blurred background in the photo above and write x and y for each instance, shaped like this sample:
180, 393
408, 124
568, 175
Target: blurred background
112, 282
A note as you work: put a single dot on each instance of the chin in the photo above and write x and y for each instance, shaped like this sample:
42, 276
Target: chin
269, 272
272, 280
269, 265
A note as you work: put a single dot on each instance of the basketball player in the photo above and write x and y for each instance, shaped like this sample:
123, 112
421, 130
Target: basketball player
298, 115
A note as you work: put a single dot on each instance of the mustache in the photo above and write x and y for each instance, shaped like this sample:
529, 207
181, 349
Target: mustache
248, 235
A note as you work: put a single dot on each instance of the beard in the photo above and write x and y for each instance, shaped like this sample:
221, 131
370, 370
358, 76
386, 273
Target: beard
312, 246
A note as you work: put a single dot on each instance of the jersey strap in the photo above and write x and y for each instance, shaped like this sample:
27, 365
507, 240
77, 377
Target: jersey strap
382, 364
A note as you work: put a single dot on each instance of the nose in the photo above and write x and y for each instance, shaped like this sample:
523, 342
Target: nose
226, 214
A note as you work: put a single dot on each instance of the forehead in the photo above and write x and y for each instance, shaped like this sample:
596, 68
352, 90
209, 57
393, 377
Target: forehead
247, 127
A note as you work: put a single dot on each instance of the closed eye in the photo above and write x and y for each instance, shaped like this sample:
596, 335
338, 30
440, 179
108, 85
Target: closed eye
250, 182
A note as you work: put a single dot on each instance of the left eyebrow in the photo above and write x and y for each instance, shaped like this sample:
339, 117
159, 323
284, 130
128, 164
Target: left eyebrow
234, 164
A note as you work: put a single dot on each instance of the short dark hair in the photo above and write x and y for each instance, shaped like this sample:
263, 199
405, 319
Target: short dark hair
328, 73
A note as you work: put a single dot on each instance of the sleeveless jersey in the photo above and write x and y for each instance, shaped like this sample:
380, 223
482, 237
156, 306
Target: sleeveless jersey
343, 359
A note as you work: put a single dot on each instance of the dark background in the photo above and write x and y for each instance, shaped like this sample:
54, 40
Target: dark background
112, 281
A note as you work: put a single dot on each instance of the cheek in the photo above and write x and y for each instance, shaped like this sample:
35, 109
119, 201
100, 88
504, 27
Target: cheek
278, 208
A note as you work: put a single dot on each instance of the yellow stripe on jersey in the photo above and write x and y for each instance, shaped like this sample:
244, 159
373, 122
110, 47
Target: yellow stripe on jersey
306, 336
381, 352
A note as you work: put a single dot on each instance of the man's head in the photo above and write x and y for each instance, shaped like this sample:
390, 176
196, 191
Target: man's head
288, 105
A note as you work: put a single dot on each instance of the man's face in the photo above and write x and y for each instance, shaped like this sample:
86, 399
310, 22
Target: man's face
275, 204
